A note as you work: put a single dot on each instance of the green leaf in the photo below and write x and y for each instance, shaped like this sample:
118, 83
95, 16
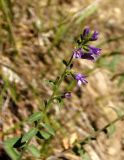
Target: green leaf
110, 130
35, 152
85, 156
9, 8
64, 62
8, 146
35, 117
11, 141
60, 33
13, 92
118, 111
19, 144
49, 129
121, 80
51, 82
45, 135
114, 62
79, 151
12, 88
13, 153
27, 136
110, 62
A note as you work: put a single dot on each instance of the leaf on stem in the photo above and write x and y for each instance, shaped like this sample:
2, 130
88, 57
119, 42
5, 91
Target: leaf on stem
79, 151
35, 117
30, 134
65, 62
8, 146
110, 130
35, 152
118, 111
19, 144
43, 135
49, 129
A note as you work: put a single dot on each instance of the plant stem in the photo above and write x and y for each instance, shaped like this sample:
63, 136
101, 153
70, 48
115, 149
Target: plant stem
93, 136
58, 83
12, 35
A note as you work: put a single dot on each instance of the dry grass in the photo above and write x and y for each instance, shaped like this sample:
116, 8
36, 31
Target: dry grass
44, 35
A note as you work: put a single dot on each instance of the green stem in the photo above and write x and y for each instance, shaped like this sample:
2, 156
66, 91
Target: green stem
12, 35
93, 136
58, 83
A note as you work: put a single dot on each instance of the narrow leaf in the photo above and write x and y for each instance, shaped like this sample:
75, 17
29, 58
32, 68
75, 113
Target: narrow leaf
8, 146
49, 129
45, 135
19, 144
13, 153
27, 136
118, 111
64, 62
83, 154
84, 13
11, 141
35, 152
35, 117
110, 130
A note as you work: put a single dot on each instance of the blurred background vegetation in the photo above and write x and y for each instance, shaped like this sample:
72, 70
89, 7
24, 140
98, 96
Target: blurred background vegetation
35, 36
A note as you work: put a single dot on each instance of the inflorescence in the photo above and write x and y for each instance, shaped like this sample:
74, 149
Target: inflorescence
85, 51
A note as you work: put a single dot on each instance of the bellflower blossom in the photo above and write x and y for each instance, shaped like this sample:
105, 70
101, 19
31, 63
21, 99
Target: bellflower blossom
81, 79
85, 33
94, 50
94, 36
89, 56
78, 53
92, 53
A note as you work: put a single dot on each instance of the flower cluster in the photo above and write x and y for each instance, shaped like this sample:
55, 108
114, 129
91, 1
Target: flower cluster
86, 51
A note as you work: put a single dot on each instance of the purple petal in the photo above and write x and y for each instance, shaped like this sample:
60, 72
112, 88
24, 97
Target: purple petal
79, 83
85, 33
94, 36
67, 95
88, 56
94, 50
84, 81
81, 79
78, 53
78, 76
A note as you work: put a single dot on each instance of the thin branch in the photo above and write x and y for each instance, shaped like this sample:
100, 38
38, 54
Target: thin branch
94, 136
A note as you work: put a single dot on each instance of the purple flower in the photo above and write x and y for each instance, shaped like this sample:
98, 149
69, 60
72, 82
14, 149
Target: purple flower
94, 36
94, 50
78, 53
92, 53
81, 79
89, 56
85, 33
67, 95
